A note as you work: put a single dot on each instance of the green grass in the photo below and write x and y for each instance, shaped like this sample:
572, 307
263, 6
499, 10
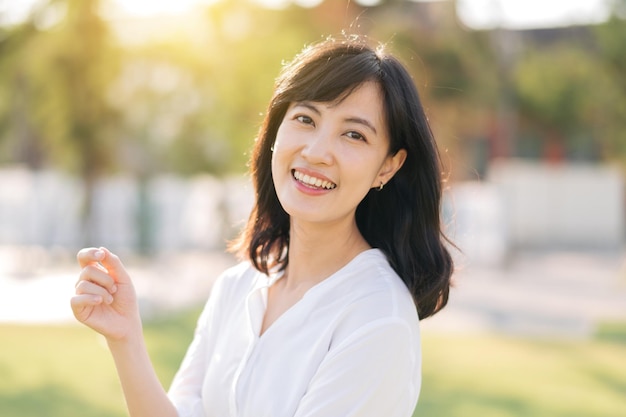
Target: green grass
510, 377
66, 371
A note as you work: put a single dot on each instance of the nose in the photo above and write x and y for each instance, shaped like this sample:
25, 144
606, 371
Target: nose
319, 148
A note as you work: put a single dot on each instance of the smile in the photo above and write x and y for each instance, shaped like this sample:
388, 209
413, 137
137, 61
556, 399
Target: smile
312, 181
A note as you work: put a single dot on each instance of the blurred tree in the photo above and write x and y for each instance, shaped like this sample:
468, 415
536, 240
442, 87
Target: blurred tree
572, 93
87, 63
193, 102
246, 50
611, 114
20, 139
554, 92
454, 69
57, 68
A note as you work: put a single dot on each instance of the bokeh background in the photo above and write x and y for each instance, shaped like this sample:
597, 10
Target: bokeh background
127, 124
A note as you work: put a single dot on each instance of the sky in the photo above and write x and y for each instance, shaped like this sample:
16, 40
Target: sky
477, 14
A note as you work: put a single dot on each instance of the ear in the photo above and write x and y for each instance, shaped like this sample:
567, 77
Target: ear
390, 166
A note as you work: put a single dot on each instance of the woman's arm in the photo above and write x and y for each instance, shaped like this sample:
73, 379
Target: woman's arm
105, 300
145, 396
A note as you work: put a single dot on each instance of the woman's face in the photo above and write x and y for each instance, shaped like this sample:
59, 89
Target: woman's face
327, 156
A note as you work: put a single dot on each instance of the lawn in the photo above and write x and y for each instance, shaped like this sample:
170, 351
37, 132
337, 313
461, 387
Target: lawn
66, 371
497, 376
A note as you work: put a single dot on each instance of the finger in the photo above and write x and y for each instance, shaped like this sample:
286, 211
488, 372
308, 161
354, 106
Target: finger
95, 274
89, 256
89, 288
114, 265
82, 301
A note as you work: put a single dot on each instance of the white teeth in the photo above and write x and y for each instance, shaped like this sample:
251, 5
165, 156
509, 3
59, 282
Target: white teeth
312, 181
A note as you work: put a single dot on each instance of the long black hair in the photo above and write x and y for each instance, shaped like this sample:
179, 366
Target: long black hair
403, 219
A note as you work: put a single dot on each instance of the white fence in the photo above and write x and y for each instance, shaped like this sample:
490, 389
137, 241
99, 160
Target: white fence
521, 206
533, 206
575, 205
172, 213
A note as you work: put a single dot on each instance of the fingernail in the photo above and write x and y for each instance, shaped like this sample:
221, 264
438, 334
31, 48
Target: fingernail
113, 289
98, 254
109, 299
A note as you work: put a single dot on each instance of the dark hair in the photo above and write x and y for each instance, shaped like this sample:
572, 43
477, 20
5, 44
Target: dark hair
402, 220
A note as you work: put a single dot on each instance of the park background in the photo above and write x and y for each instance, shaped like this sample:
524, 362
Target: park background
128, 125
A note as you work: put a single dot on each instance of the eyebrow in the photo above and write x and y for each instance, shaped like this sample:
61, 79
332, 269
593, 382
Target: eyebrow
352, 119
363, 122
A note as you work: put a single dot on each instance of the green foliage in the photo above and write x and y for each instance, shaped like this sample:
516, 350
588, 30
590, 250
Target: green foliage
55, 80
611, 38
76, 94
554, 86
194, 103
86, 63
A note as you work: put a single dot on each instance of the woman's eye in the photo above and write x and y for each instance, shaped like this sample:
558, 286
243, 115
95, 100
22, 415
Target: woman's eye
304, 119
355, 135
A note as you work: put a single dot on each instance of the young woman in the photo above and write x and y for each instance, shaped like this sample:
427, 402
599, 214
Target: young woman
343, 255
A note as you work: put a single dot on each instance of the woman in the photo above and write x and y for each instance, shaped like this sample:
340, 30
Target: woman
344, 254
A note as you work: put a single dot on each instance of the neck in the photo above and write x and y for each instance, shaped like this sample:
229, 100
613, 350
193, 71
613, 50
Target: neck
316, 252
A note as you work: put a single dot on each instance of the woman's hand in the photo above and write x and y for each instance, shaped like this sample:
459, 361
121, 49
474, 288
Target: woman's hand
105, 298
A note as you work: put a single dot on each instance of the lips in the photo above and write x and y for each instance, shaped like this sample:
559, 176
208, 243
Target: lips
312, 181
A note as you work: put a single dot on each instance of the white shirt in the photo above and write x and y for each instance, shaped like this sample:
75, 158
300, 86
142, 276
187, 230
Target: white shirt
349, 348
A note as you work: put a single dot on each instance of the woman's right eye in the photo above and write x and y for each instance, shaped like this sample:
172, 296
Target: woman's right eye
304, 119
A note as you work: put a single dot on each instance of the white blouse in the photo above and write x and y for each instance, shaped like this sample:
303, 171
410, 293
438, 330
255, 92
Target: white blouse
349, 347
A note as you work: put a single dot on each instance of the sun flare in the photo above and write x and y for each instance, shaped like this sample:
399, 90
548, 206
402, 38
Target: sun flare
147, 8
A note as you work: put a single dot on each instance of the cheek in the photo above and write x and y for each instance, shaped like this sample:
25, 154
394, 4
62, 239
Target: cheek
282, 142
279, 161
284, 147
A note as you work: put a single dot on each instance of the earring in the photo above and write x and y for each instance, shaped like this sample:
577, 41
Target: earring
380, 188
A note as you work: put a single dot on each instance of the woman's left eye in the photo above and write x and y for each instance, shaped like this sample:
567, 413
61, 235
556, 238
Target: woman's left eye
304, 119
355, 135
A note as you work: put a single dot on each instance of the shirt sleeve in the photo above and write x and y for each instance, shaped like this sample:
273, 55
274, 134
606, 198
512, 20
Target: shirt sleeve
186, 389
375, 372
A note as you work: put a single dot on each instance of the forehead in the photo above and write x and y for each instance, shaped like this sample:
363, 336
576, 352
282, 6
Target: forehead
369, 90
367, 94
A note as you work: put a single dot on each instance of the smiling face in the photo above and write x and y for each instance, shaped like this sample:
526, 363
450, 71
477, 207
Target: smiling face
327, 156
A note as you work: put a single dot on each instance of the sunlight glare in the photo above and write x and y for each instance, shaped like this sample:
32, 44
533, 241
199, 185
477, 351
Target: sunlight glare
147, 8
531, 14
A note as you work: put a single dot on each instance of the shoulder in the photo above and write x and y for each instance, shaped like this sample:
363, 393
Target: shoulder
374, 298
372, 281
230, 288
238, 279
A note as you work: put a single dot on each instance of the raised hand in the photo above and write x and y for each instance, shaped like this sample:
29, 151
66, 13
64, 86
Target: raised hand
105, 298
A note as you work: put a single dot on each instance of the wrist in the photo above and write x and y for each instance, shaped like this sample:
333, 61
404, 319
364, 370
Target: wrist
133, 336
